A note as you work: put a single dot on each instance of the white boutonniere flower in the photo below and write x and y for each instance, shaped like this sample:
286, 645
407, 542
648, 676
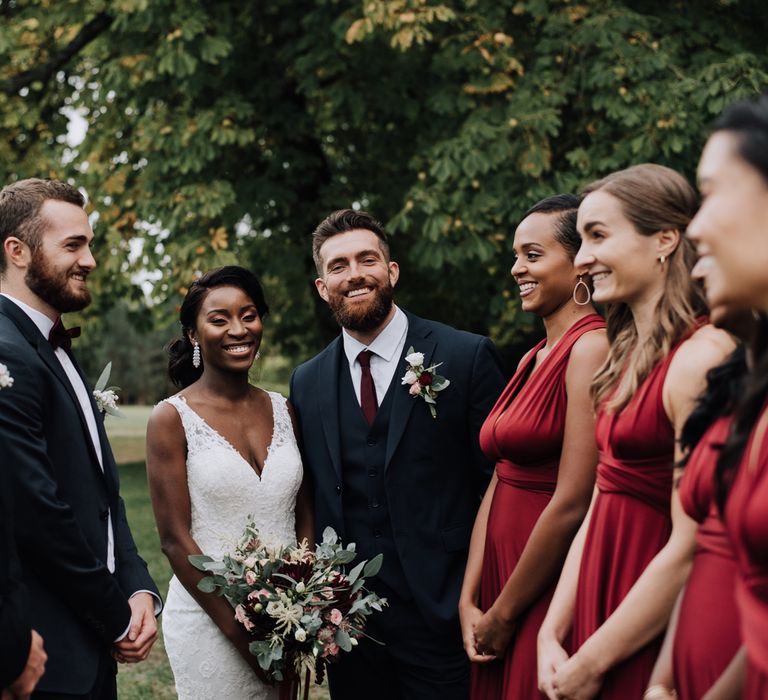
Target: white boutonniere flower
6, 380
106, 397
423, 381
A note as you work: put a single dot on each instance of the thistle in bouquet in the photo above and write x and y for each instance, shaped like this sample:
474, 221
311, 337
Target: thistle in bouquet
301, 608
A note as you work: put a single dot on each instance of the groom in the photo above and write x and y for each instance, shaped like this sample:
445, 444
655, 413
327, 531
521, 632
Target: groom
92, 599
388, 476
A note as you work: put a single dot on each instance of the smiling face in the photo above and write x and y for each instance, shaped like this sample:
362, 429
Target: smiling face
358, 281
228, 329
58, 268
623, 263
732, 222
543, 268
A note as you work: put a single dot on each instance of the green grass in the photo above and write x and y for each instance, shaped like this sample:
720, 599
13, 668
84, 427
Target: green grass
152, 679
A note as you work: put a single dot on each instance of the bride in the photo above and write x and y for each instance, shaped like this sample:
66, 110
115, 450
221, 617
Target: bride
219, 451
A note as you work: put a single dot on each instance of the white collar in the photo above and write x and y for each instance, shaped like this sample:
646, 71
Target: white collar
386, 343
43, 323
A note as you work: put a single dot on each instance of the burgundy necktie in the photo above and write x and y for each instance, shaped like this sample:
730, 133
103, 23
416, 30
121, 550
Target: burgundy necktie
368, 401
61, 336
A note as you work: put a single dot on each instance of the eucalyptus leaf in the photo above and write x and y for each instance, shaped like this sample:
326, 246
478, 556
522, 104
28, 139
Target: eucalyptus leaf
101, 382
352, 575
373, 566
343, 640
207, 584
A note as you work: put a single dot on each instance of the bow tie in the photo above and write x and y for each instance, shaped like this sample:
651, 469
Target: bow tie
62, 337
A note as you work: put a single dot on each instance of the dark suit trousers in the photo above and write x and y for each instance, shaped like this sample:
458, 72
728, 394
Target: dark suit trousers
415, 663
105, 687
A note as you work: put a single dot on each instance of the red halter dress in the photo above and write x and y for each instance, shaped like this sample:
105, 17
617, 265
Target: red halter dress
524, 434
707, 634
746, 518
630, 521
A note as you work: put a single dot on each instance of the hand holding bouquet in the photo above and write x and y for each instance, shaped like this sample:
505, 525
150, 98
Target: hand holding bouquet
300, 607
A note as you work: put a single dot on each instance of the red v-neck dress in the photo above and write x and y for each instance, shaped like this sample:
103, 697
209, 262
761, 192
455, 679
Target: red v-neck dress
524, 434
707, 634
630, 521
746, 519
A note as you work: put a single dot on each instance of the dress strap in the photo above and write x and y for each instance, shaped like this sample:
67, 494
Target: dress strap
196, 430
283, 427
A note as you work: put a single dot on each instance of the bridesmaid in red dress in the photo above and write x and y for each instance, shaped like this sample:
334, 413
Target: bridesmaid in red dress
541, 434
732, 226
632, 224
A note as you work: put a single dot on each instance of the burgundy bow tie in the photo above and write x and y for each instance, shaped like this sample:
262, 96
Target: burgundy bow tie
62, 337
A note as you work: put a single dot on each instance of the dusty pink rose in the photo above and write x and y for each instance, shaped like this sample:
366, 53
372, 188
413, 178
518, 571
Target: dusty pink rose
415, 389
336, 617
250, 578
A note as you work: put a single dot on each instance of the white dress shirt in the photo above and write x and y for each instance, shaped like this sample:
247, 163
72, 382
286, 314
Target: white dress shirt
386, 348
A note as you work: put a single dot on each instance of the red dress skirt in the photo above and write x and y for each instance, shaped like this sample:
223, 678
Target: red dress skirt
630, 522
524, 434
707, 635
746, 518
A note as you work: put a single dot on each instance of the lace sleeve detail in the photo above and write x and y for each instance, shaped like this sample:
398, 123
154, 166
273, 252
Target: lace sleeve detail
195, 430
283, 428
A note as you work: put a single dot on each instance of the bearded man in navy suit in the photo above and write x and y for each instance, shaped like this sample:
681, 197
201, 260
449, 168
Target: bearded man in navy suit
387, 475
93, 599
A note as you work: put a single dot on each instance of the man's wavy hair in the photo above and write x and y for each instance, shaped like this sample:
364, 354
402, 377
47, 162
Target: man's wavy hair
342, 221
20, 204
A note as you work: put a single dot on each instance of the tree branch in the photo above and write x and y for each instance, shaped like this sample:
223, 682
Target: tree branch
98, 25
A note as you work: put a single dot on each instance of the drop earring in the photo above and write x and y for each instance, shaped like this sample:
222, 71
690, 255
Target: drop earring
196, 355
581, 283
662, 260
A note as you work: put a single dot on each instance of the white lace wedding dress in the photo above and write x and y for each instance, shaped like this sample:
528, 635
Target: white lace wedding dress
224, 489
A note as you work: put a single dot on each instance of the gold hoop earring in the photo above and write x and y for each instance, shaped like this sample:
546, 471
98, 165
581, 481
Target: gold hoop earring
581, 283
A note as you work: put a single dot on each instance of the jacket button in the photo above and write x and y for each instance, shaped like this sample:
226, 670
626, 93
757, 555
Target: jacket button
372, 473
377, 533
338, 489
104, 515
374, 503
370, 442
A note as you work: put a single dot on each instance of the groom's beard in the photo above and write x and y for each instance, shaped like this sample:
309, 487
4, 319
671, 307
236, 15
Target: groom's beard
361, 317
51, 284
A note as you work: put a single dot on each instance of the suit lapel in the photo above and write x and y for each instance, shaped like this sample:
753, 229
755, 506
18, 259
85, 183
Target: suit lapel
328, 398
31, 333
402, 402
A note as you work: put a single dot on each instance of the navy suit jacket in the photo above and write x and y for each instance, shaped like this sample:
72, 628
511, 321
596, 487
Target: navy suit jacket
62, 500
435, 472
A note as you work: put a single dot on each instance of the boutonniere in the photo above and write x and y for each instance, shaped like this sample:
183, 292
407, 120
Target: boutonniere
423, 381
106, 397
6, 380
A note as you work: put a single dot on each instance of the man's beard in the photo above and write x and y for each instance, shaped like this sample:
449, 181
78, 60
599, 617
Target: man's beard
52, 285
365, 319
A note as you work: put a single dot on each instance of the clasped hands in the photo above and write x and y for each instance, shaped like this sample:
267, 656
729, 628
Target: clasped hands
566, 678
486, 635
142, 633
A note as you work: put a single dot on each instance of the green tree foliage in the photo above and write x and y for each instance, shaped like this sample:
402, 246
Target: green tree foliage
224, 131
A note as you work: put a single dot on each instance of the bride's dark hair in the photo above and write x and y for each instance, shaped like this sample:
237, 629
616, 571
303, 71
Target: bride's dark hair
180, 368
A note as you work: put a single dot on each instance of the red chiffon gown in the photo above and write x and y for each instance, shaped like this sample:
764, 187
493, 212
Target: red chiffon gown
630, 521
707, 635
746, 518
524, 434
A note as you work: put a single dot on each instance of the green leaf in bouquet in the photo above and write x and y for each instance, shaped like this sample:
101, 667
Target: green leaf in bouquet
352, 575
357, 585
199, 560
343, 640
373, 566
345, 556
207, 584
330, 536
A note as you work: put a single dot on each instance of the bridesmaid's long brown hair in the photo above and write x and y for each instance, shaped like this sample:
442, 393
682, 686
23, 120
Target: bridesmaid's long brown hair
654, 198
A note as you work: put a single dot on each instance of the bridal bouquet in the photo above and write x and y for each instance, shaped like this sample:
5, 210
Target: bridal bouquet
301, 608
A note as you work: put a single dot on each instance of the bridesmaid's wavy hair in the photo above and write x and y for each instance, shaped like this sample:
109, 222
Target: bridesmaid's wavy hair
180, 367
748, 122
653, 198
567, 205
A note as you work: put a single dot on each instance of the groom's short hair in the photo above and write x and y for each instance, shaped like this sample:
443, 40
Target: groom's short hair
20, 204
342, 221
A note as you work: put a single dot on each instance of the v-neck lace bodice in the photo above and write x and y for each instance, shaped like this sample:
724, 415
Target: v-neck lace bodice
224, 489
